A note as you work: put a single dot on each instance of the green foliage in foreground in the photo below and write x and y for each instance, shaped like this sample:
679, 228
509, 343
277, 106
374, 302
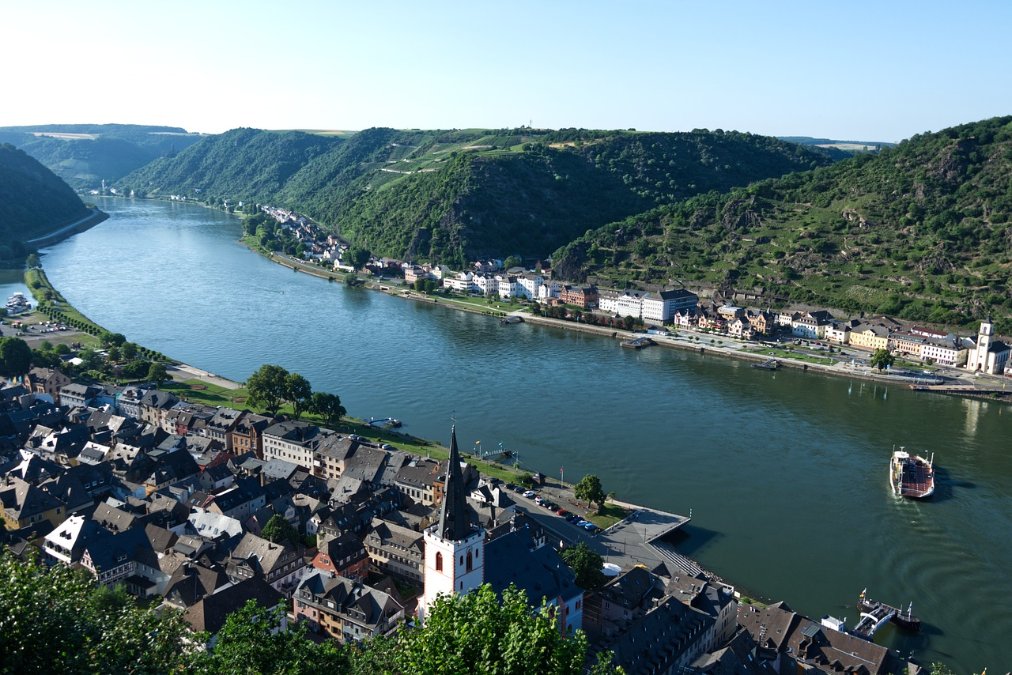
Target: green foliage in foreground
56, 620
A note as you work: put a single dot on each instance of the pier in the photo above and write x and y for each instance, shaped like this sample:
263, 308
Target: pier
875, 614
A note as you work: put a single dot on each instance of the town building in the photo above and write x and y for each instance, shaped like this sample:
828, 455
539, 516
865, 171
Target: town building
988, 355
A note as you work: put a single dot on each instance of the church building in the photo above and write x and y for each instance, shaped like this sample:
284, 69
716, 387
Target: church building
454, 547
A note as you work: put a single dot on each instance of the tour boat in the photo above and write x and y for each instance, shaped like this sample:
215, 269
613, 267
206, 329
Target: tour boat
17, 304
911, 475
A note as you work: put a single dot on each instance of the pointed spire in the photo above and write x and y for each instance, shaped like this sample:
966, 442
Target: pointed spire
454, 523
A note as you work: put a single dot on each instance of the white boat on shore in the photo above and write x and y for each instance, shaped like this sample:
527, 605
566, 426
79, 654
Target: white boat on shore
17, 304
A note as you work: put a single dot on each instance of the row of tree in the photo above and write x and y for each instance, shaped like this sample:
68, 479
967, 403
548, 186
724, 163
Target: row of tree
271, 386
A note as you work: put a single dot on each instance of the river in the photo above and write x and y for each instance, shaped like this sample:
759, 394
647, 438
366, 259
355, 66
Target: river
785, 473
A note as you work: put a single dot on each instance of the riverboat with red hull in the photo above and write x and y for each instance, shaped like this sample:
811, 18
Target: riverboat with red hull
911, 476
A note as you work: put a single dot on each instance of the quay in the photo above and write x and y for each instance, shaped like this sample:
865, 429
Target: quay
875, 614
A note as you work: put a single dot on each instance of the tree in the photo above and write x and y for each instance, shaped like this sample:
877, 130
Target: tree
267, 387
33, 261
512, 261
298, 392
328, 406
255, 639
589, 490
476, 633
881, 358
129, 350
112, 339
587, 565
157, 373
356, 256
15, 357
57, 620
279, 530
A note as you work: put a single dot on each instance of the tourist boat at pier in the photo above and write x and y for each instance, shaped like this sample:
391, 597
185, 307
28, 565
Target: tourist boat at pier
638, 343
17, 304
911, 475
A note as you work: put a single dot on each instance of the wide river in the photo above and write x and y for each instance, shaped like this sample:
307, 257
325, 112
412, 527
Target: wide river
784, 473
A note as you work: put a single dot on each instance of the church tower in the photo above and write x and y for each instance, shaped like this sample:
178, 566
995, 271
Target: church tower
978, 357
454, 547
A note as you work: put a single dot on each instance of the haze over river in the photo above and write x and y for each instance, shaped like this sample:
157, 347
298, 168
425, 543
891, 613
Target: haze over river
785, 473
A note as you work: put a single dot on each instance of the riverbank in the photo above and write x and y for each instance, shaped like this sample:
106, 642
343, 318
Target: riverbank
89, 221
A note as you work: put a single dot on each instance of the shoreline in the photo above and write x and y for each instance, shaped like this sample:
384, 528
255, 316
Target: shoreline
91, 220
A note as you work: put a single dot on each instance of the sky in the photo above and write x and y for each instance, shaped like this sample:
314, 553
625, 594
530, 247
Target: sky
855, 70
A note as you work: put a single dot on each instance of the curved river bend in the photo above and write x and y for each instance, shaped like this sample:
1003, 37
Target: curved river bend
785, 472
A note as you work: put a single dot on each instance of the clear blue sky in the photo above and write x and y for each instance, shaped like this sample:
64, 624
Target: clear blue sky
847, 70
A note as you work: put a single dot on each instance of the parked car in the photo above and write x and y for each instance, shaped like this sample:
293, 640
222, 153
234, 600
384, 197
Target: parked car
529, 494
538, 500
583, 523
562, 512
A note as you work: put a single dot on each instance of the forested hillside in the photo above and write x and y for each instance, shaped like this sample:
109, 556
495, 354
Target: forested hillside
242, 164
33, 201
921, 230
86, 154
448, 196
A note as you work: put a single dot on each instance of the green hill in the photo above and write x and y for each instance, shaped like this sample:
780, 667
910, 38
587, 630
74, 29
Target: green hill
453, 195
242, 164
86, 154
920, 230
33, 201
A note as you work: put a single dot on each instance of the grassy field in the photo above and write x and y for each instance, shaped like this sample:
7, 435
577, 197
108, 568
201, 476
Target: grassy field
609, 515
796, 355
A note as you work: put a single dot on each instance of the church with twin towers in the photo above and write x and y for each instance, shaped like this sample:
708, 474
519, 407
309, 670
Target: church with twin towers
460, 556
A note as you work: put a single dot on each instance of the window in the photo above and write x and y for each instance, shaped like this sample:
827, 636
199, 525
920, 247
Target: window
470, 562
439, 562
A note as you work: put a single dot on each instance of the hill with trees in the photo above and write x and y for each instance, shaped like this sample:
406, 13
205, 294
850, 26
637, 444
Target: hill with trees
86, 154
449, 196
33, 202
920, 230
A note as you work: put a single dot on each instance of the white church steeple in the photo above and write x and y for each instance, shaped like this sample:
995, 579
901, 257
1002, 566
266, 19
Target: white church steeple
454, 547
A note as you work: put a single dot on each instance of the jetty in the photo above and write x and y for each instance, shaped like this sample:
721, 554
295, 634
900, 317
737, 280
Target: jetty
875, 614
638, 343
386, 422
770, 364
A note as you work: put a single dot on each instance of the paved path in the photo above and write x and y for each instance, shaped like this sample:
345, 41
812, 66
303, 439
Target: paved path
185, 372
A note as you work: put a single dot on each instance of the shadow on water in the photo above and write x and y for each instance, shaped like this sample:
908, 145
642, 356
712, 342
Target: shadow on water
946, 486
690, 538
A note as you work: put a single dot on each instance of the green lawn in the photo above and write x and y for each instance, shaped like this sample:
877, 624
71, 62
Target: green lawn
609, 515
795, 355
197, 391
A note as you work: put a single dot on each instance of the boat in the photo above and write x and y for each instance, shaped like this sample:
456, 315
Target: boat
911, 475
17, 304
638, 343
770, 364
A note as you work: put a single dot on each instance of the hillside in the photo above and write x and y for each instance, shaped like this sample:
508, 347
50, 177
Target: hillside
33, 201
452, 195
241, 164
86, 154
920, 230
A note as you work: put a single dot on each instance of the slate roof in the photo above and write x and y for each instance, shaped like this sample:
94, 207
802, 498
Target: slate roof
540, 572
211, 611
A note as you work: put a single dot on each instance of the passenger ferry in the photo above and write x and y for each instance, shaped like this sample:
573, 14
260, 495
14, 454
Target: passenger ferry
911, 475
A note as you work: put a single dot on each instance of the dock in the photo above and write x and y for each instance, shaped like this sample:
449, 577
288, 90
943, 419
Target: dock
638, 343
875, 614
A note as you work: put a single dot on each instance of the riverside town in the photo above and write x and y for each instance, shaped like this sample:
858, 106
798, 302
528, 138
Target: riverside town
541, 339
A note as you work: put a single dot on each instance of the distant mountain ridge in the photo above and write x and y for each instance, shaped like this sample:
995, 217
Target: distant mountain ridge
86, 154
451, 195
921, 230
33, 202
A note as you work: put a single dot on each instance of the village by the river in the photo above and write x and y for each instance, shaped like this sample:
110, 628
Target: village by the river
739, 482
